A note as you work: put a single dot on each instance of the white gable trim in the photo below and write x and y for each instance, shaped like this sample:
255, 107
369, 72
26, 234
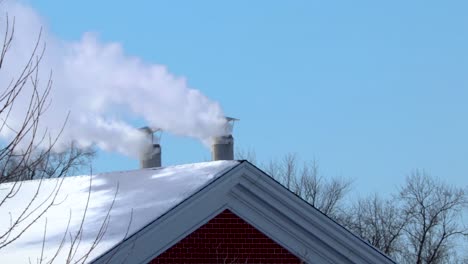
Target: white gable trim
263, 203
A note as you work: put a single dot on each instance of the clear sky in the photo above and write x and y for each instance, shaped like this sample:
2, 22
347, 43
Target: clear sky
371, 89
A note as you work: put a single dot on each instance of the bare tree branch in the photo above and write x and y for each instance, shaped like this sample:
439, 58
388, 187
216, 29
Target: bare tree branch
29, 154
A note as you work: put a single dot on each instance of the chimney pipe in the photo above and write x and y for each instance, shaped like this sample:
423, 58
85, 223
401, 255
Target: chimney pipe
151, 156
223, 146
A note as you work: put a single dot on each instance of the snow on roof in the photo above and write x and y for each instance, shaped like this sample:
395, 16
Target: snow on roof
130, 199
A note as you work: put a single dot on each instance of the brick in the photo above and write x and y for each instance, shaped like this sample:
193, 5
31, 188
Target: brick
226, 238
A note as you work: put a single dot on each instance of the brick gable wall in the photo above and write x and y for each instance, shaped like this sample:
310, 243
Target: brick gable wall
226, 239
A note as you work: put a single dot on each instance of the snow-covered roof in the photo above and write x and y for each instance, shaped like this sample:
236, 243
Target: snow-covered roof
120, 204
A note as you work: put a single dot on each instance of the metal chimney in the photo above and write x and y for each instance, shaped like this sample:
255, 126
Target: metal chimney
223, 146
151, 156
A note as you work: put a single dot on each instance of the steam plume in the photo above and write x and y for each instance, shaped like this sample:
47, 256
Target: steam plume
93, 81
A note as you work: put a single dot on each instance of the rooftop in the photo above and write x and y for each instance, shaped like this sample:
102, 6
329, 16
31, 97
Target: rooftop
119, 204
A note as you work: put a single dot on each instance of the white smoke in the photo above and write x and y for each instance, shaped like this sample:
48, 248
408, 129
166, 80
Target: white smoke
95, 81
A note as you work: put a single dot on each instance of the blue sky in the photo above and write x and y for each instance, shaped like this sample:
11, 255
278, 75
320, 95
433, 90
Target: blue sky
371, 89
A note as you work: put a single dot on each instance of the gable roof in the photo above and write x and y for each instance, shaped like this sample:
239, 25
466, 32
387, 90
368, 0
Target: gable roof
265, 204
156, 208
129, 199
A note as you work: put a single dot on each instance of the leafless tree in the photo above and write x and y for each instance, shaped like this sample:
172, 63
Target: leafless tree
380, 222
304, 179
325, 194
434, 210
29, 154
421, 224
249, 154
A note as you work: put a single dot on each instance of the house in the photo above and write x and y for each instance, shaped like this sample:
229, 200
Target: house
212, 212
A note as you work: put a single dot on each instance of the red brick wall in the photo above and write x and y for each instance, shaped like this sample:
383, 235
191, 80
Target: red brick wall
226, 239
